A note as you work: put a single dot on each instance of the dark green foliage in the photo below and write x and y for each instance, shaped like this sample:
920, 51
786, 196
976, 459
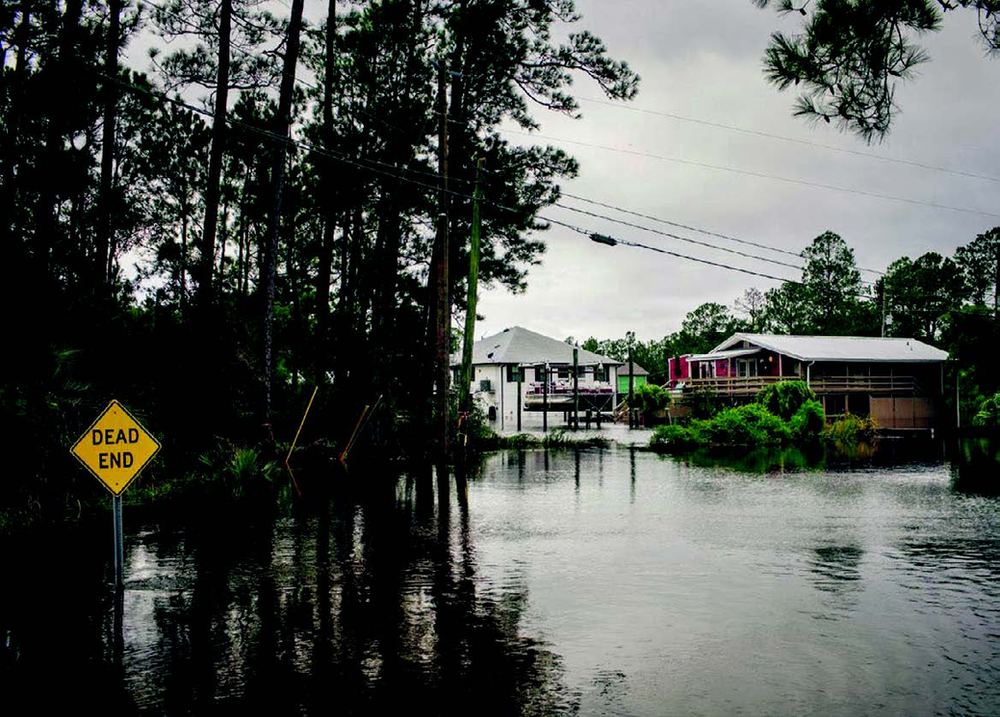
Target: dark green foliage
749, 425
850, 55
979, 262
785, 398
674, 437
989, 412
919, 295
650, 398
353, 241
808, 422
705, 327
851, 431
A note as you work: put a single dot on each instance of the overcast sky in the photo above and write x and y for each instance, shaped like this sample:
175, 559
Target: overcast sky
703, 61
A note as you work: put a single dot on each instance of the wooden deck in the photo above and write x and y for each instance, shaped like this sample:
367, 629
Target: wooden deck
822, 385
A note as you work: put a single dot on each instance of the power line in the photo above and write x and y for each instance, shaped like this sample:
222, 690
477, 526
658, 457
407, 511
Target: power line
336, 156
614, 241
817, 145
759, 175
694, 229
401, 177
682, 226
680, 238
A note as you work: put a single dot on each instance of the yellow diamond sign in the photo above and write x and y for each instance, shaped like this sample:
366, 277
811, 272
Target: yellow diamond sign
115, 448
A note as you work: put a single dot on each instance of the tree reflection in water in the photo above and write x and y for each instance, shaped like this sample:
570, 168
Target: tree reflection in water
354, 608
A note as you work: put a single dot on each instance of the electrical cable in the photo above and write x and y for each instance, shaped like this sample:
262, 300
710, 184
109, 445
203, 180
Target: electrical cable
769, 135
758, 175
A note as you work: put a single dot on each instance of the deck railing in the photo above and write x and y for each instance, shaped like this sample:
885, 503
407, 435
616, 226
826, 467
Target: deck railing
750, 385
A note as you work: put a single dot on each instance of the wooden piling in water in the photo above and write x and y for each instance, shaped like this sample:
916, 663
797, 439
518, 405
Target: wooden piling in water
519, 370
545, 401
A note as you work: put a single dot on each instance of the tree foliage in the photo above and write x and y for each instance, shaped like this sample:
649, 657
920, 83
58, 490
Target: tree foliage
341, 215
851, 53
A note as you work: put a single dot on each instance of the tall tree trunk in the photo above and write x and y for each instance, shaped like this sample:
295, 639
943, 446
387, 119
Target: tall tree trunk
103, 241
269, 268
458, 162
46, 226
8, 189
441, 297
207, 247
324, 268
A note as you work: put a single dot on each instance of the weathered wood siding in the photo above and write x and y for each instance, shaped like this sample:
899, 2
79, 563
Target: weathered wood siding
903, 412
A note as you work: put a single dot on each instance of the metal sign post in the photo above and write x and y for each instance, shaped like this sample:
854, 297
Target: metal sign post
114, 449
116, 509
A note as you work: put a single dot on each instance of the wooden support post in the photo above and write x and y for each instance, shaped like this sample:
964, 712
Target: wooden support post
958, 399
576, 387
519, 370
631, 388
545, 401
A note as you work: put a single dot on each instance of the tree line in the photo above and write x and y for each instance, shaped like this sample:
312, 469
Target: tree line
261, 210
949, 302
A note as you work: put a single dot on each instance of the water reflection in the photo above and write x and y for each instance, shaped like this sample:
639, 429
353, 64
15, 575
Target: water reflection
835, 568
976, 466
344, 609
835, 572
544, 582
760, 460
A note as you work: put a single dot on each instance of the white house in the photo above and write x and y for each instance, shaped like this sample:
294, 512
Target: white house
497, 359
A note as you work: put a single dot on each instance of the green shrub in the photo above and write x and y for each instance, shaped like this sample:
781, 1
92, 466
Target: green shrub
749, 425
240, 471
673, 436
809, 421
989, 412
785, 398
852, 430
650, 398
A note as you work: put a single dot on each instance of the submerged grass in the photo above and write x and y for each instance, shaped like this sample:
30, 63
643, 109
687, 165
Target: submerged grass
556, 438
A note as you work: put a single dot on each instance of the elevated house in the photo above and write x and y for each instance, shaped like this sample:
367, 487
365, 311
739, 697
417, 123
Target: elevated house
510, 371
900, 382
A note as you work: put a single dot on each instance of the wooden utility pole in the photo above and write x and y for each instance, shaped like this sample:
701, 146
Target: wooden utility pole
442, 324
470, 304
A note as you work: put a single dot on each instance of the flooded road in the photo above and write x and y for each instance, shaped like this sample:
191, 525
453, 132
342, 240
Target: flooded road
608, 582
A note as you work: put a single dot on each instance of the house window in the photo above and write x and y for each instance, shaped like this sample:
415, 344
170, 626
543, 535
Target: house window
746, 367
512, 373
540, 374
600, 373
563, 372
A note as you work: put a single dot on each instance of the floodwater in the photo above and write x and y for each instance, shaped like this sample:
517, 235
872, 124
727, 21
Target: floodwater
593, 582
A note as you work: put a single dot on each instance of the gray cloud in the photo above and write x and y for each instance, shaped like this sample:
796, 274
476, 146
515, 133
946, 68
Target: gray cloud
703, 60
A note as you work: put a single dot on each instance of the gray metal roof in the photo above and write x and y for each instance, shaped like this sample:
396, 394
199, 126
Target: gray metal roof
518, 345
841, 348
716, 355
